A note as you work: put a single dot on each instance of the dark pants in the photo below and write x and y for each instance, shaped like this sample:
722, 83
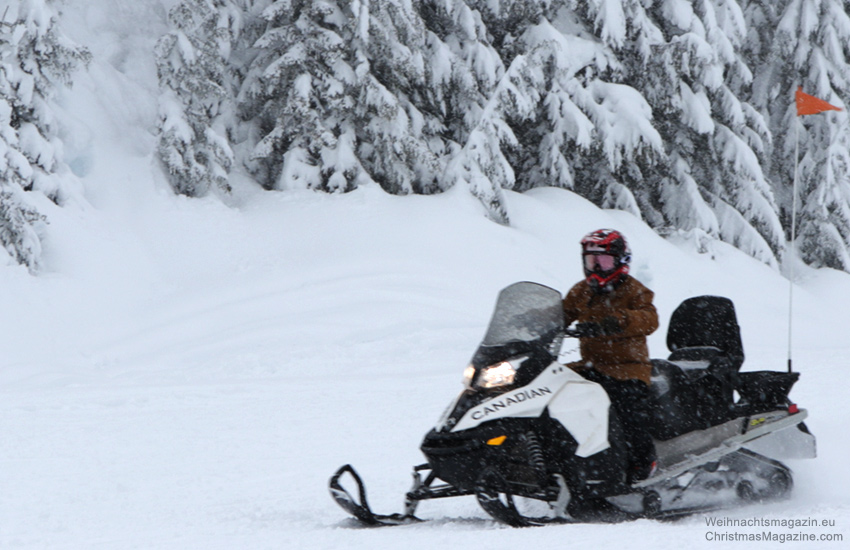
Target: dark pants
630, 401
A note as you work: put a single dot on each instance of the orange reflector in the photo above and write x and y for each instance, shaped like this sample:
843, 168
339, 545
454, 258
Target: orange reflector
497, 440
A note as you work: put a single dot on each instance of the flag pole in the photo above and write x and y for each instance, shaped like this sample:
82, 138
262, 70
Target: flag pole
806, 105
792, 254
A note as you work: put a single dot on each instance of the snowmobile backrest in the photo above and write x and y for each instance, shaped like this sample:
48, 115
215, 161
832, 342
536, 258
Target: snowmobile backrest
704, 327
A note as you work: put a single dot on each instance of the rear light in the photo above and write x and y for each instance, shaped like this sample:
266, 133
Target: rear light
793, 409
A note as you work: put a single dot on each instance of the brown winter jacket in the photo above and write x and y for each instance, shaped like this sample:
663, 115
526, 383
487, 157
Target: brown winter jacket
624, 355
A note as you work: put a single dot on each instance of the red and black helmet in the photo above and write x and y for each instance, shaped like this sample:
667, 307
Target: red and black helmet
605, 257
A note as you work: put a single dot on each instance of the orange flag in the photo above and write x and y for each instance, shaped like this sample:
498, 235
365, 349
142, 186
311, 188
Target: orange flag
810, 105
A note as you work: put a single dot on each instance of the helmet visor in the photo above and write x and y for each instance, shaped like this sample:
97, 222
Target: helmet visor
599, 262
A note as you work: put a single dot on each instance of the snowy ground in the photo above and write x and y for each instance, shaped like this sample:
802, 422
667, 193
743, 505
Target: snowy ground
188, 375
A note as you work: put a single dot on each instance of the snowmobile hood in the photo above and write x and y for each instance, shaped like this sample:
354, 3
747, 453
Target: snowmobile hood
580, 405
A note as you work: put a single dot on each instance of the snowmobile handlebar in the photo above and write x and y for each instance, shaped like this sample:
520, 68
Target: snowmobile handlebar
588, 329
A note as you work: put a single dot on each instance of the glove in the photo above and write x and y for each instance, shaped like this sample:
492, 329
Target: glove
606, 327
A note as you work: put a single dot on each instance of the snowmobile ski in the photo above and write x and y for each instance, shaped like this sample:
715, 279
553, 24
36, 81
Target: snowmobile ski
420, 490
359, 507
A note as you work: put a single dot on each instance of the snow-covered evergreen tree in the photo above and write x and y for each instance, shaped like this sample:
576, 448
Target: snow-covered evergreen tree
300, 94
646, 106
200, 83
468, 70
572, 126
635, 108
683, 57
809, 47
35, 58
385, 91
507, 20
397, 120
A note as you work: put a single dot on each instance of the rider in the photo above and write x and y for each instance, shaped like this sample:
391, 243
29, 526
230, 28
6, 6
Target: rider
614, 315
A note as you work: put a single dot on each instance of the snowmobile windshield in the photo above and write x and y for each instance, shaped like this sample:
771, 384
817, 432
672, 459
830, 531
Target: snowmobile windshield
525, 312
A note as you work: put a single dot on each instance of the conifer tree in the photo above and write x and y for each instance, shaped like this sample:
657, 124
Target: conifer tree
35, 59
670, 110
396, 116
200, 83
683, 58
469, 72
808, 48
565, 118
385, 91
299, 94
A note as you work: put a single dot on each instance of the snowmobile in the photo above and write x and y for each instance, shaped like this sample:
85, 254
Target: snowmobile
531, 439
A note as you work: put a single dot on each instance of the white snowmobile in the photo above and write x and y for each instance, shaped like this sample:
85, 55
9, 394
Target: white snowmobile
528, 436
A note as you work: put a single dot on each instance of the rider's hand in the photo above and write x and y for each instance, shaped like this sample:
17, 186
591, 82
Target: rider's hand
606, 327
588, 329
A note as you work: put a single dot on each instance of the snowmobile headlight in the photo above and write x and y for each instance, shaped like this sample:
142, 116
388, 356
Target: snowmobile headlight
500, 374
468, 375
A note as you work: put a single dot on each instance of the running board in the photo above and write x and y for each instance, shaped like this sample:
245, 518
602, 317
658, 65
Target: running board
683, 453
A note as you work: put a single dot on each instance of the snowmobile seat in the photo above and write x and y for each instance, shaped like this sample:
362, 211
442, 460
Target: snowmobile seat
693, 388
684, 399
